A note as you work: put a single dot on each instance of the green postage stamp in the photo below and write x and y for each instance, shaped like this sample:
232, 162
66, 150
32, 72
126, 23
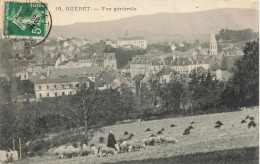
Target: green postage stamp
24, 19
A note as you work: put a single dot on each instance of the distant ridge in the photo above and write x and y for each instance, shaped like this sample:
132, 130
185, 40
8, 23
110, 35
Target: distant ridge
164, 26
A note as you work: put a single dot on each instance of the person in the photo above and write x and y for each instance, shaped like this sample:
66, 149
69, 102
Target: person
111, 141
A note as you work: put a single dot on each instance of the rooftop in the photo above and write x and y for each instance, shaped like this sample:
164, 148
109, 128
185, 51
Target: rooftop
62, 80
72, 72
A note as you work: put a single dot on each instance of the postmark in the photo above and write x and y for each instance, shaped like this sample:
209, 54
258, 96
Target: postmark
26, 21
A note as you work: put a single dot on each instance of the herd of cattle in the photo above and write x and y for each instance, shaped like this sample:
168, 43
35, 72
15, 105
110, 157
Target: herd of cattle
128, 143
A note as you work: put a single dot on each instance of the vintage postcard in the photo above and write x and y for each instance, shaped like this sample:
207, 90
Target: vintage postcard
129, 81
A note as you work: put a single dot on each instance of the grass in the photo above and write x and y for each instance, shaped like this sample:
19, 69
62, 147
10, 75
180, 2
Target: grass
232, 142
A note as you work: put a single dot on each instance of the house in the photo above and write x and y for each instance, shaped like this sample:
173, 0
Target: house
184, 65
45, 88
103, 82
166, 75
139, 65
110, 62
221, 70
131, 42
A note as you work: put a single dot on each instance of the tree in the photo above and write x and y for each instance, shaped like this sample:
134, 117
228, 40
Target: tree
171, 96
138, 79
245, 78
145, 94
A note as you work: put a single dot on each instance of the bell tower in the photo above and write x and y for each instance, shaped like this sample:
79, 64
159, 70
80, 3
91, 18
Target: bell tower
213, 49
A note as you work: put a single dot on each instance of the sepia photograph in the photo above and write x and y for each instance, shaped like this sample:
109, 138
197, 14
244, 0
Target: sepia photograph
129, 81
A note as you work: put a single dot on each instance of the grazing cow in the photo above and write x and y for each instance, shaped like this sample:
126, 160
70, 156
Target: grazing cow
136, 146
156, 140
131, 135
169, 140
60, 151
85, 150
162, 129
94, 150
243, 121
152, 135
123, 147
186, 132
72, 152
251, 124
219, 123
247, 117
148, 130
218, 126
172, 125
106, 151
159, 132
148, 141
126, 133
125, 138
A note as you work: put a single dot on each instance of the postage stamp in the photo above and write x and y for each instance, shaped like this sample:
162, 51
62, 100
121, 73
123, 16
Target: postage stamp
25, 19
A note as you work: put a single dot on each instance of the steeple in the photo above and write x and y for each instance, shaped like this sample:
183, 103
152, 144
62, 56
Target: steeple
213, 50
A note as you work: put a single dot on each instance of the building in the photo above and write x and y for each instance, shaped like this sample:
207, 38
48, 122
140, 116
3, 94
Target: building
89, 72
184, 65
166, 75
110, 61
213, 49
131, 42
111, 43
139, 65
45, 88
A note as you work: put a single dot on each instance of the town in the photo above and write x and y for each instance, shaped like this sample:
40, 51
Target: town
62, 65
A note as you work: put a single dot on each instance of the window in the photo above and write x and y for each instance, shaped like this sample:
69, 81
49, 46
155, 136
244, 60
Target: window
48, 95
63, 93
40, 87
47, 86
40, 95
55, 86
70, 85
70, 93
24, 76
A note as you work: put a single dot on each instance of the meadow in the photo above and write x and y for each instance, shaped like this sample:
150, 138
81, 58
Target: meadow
232, 141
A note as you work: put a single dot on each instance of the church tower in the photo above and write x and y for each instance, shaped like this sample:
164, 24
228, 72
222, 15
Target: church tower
213, 49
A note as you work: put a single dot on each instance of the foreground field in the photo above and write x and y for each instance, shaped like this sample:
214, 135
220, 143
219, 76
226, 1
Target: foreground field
204, 139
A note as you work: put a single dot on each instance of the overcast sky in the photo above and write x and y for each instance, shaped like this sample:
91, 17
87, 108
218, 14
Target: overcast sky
144, 7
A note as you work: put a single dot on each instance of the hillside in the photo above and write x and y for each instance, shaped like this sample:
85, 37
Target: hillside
164, 26
233, 137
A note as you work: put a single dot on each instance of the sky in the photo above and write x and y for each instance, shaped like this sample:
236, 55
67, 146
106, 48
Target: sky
143, 7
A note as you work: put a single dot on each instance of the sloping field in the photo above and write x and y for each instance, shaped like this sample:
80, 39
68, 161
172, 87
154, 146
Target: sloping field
203, 138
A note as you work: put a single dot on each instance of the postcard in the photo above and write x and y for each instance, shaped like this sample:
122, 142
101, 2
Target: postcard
129, 81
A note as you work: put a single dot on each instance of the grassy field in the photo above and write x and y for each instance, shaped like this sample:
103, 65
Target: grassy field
229, 144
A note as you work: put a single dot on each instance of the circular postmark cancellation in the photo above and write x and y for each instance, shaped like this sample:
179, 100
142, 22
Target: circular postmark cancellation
29, 22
